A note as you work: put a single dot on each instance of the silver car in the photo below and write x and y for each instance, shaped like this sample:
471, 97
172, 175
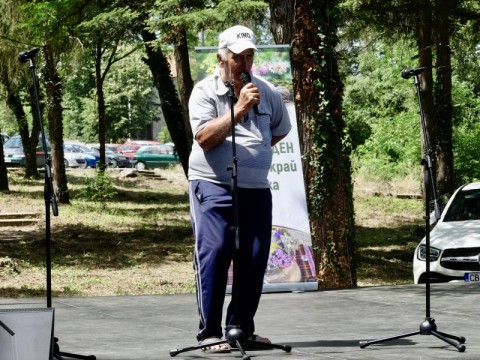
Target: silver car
454, 241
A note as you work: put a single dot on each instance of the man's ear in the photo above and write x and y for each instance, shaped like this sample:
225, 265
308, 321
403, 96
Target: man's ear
220, 61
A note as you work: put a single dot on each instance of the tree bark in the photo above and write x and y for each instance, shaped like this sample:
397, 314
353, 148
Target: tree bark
443, 100
102, 120
170, 104
53, 85
184, 77
424, 44
3, 169
29, 143
281, 21
318, 92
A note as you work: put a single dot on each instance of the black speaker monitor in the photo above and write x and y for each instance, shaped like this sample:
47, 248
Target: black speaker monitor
26, 334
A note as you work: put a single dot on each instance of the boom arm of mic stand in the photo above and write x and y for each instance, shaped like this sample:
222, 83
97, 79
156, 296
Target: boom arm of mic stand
49, 190
428, 160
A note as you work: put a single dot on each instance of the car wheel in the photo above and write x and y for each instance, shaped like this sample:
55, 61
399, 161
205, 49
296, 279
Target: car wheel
84, 165
140, 166
112, 163
66, 163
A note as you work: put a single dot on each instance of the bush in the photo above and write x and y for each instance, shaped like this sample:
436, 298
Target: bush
98, 189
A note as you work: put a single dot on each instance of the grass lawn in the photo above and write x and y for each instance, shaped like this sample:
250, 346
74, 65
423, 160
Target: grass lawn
140, 241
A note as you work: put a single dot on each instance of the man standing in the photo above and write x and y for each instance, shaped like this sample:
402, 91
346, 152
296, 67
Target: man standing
261, 120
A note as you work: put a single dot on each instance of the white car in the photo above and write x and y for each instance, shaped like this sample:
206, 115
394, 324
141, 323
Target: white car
454, 241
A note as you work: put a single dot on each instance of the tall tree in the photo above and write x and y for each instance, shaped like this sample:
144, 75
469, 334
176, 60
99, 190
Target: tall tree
47, 22
169, 101
3, 169
318, 92
15, 78
444, 9
105, 28
53, 84
431, 23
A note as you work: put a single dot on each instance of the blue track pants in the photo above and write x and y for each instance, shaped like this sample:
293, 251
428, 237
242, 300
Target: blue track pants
211, 214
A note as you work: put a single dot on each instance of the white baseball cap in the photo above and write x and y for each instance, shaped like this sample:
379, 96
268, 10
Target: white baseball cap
237, 39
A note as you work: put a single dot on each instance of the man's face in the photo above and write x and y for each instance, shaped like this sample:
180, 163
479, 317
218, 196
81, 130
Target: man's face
237, 63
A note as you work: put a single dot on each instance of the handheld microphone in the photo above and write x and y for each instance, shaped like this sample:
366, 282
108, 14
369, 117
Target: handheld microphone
27, 55
246, 78
408, 73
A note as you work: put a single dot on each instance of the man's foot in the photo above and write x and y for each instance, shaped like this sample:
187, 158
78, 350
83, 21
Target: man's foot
214, 345
255, 342
259, 339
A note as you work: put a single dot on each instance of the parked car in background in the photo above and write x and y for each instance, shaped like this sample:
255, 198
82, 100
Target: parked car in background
113, 147
114, 159
4, 138
454, 241
155, 156
127, 151
73, 155
15, 156
90, 158
139, 143
130, 147
73, 158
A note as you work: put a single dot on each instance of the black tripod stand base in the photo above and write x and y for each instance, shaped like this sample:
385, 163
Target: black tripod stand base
234, 337
58, 355
427, 327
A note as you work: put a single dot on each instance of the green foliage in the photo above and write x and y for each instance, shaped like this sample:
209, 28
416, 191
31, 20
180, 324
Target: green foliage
98, 189
466, 132
197, 15
164, 136
381, 112
8, 125
130, 97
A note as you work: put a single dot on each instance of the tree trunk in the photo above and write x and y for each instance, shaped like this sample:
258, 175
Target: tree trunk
318, 93
29, 143
3, 168
53, 86
102, 121
443, 100
170, 104
184, 77
281, 21
424, 44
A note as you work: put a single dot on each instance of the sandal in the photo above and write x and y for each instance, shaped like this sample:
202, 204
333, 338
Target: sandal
255, 342
259, 339
214, 345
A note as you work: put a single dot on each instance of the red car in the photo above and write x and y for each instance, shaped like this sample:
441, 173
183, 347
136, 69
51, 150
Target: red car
129, 148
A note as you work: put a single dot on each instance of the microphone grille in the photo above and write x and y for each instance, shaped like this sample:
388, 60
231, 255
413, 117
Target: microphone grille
245, 77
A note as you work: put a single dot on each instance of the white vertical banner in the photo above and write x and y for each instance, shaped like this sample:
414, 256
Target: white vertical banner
290, 265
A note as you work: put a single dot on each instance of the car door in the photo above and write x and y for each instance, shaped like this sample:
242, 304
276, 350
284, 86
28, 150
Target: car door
154, 157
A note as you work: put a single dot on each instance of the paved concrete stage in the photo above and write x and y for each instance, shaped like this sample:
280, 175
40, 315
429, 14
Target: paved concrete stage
318, 325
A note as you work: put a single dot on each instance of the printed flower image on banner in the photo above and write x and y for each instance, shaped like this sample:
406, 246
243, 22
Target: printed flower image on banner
276, 69
282, 250
270, 62
290, 257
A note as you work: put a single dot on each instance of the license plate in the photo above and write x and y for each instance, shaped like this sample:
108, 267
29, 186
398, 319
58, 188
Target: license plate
472, 277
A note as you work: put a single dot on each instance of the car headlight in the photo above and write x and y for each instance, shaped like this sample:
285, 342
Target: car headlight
422, 253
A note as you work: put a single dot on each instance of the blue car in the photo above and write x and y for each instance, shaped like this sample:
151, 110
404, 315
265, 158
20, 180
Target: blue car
90, 155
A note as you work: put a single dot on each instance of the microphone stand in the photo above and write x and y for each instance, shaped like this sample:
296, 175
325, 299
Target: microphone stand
234, 335
49, 196
428, 326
